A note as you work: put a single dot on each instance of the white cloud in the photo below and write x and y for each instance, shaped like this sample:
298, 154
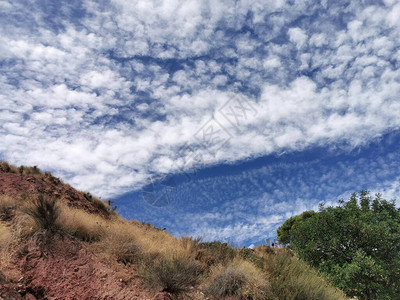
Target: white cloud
74, 106
297, 36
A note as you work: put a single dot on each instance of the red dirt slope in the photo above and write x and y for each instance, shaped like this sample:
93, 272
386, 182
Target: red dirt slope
66, 268
15, 185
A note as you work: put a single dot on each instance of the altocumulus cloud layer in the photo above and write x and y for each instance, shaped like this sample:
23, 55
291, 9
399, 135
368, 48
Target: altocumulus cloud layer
106, 93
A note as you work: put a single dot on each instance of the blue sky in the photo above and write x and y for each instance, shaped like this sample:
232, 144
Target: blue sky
217, 119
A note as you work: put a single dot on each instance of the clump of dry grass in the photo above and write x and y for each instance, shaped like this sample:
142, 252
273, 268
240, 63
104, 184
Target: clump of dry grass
24, 226
121, 239
175, 275
44, 211
213, 253
7, 207
119, 244
239, 279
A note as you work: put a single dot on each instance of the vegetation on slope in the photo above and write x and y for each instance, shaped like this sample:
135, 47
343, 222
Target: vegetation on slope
180, 267
356, 245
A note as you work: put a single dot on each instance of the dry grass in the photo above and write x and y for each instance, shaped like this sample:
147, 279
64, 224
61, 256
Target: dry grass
13, 209
239, 279
97, 202
154, 241
84, 226
120, 239
167, 260
5, 236
293, 279
119, 244
22, 170
7, 207
175, 275
213, 253
6, 242
6, 167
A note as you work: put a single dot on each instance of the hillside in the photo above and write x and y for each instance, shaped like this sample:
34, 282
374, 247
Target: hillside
60, 243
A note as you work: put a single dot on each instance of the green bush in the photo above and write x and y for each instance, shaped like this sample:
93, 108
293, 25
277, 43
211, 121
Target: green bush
356, 245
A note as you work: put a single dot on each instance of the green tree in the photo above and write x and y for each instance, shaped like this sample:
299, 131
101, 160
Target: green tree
284, 233
356, 244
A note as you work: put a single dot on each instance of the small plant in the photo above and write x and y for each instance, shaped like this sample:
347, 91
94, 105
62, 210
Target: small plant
21, 170
44, 212
175, 276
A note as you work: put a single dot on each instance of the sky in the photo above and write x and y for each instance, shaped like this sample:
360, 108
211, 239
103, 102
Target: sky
215, 119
